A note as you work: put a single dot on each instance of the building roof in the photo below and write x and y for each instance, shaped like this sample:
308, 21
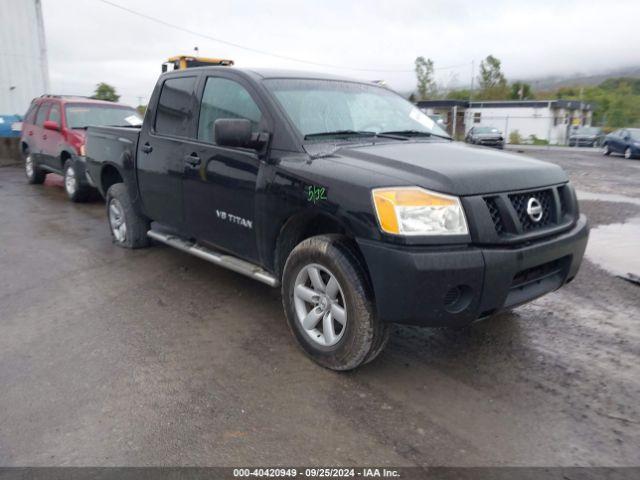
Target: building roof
569, 104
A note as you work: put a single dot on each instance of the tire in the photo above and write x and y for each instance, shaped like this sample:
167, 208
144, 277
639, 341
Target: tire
76, 190
35, 175
362, 336
128, 228
605, 149
628, 154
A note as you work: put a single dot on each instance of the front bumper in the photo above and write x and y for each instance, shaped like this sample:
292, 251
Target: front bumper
453, 286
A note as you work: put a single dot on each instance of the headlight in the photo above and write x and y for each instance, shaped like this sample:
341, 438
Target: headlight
416, 211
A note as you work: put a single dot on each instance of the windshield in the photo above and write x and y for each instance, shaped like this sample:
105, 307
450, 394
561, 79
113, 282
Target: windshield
635, 133
319, 107
85, 115
588, 131
486, 130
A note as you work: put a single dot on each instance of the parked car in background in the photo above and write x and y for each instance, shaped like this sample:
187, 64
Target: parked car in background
624, 140
53, 137
586, 137
487, 136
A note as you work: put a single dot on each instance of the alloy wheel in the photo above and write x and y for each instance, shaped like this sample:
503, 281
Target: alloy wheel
70, 181
320, 305
28, 166
117, 220
627, 153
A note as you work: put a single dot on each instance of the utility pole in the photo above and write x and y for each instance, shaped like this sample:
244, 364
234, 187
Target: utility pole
473, 67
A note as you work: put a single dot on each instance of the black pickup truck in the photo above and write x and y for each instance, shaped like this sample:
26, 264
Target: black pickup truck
342, 193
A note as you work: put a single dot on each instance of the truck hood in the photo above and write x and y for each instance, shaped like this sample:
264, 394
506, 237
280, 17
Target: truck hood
448, 167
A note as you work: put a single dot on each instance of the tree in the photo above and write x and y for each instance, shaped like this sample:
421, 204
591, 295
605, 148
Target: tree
104, 91
520, 91
141, 109
424, 74
492, 83
461, 94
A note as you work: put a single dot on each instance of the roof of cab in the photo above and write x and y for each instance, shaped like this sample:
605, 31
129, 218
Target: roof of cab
267, 73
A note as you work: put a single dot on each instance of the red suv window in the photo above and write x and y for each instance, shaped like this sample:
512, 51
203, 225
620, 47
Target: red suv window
41, 116
54, 113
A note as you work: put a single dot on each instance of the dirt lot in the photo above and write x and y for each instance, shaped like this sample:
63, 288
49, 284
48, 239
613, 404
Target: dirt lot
153, 357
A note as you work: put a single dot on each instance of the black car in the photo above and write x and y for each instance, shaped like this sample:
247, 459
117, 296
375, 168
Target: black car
586, 137
624, 140
342, 194
487, 136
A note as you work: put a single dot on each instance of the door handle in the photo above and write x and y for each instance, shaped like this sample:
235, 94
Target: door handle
146, 148
193, 160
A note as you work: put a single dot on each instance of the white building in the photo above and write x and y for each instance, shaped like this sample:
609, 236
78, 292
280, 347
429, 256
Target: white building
24, 72
548, 120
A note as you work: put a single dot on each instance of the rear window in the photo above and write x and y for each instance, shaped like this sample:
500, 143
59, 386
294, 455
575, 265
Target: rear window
175, 111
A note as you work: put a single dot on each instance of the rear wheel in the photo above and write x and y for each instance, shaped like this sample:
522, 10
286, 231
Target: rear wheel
605, 149
76, 191
34, 174
627, 153
329, 305
128, 228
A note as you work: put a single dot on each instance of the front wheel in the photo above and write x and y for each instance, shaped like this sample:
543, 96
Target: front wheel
605, 149
628, 154
329, 305
128, 228
35, 175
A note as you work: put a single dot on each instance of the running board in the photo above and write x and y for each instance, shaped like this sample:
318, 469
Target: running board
227, 261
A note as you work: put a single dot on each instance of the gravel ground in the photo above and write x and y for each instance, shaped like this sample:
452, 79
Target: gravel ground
153, 357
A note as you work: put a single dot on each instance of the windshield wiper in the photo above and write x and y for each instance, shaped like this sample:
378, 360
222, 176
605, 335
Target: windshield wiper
338, 133
414, 133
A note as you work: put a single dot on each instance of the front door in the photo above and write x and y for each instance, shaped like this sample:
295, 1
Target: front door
161, 151
53, 140
220, 182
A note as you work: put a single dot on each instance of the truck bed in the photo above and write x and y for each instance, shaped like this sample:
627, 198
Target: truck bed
111, 145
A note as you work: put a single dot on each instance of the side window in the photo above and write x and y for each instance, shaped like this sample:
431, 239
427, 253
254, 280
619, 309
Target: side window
41, 116
224, 98
54, 113
476, 117
174, 113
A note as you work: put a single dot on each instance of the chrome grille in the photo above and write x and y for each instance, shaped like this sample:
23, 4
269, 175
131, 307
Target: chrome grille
519, 202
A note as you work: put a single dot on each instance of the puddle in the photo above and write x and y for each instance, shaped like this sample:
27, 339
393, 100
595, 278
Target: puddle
607, 197
616, 248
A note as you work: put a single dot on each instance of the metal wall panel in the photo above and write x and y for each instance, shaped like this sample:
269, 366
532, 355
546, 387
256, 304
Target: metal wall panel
23, 55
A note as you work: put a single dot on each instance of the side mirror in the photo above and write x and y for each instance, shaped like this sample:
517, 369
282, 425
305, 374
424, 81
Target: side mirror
51, 125
235, 132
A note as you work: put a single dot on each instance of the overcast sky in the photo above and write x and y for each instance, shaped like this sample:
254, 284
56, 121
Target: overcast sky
89, 41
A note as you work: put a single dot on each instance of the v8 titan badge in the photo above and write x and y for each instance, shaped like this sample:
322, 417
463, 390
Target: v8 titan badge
228, 217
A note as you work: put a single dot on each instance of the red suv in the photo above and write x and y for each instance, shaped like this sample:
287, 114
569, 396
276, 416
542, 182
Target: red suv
53, 137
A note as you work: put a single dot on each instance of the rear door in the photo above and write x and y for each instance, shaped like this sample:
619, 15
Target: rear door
161, 150
39, 132
618, 143
220, 182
